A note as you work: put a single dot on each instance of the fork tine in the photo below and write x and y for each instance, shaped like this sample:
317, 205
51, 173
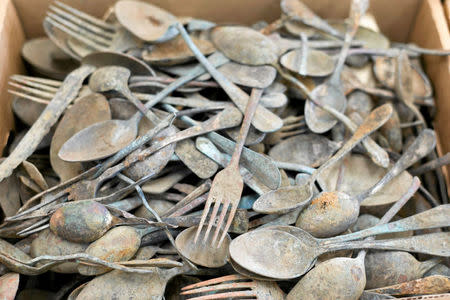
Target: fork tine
219, 287
75, 35
37, 224
212, 218
226, 295
215, 281
203, 219
83, 24
227, 226
29, 97
86, 17
34, 84
32, 91
95, 40
221, 218
23, 234
44, 81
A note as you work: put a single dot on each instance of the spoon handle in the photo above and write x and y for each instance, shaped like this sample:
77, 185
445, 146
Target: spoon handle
374, 120
416, 49
432, 218
424, 143
433, 244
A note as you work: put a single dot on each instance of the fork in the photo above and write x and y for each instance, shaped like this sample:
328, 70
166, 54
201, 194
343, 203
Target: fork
237, 286
226, 189
291, 126
92, 33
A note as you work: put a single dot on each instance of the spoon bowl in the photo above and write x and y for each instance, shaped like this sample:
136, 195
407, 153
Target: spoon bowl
289, 264
86, 111
81, 221
146, 21
348, 278
103, 139
203, 254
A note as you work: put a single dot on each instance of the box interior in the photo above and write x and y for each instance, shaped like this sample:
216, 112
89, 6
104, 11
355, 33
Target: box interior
420, 21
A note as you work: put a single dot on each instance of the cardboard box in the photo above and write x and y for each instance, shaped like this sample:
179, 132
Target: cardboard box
419, 21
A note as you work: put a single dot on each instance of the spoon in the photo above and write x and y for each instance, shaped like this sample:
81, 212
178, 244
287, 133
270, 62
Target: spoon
85, 221
86, 111
286, 199
330, 92
292, 256
344, 276
297, 10
115, 134
334, 212
119, 132
77, 223
402, 267
48, 243
202, 254
115, 78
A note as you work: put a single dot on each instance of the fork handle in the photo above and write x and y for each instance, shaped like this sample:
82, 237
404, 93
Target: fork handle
248, 116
